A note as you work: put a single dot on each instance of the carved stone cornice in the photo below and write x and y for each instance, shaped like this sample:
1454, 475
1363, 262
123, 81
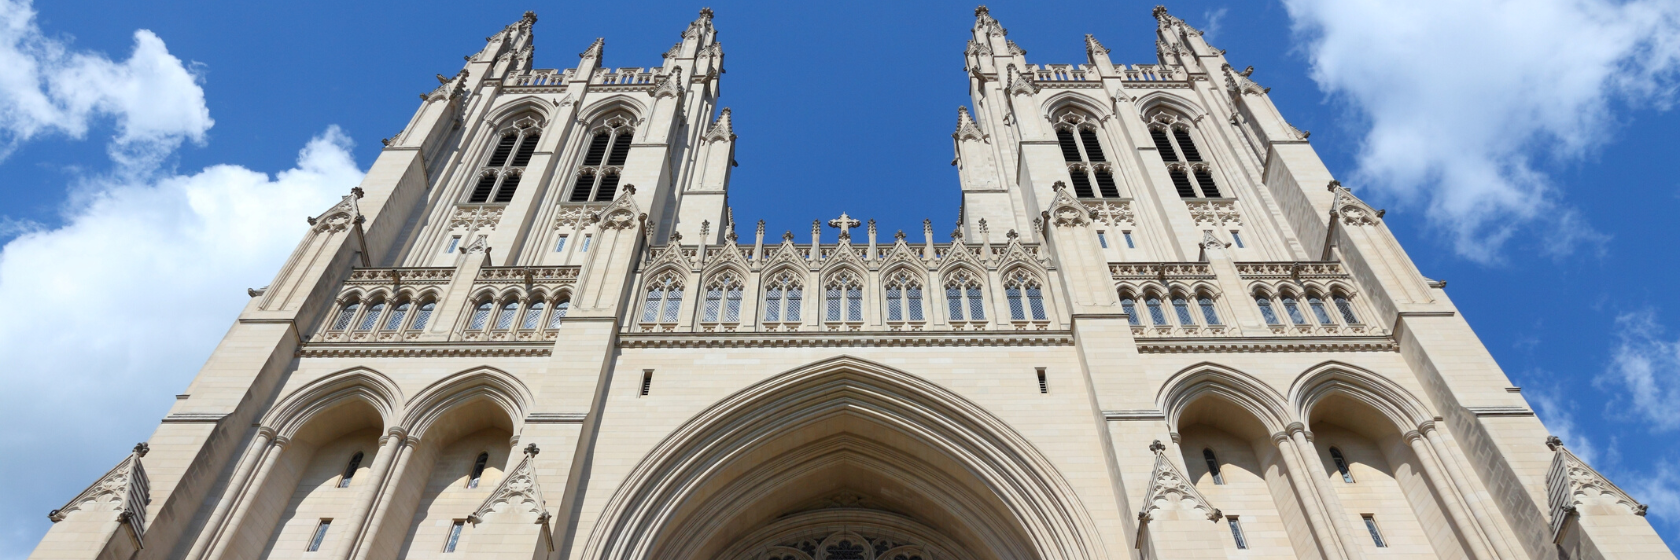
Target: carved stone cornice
426, 350
1266, 345
825, 339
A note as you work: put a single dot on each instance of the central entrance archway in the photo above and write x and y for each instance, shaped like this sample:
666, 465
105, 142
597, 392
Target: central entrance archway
844, 460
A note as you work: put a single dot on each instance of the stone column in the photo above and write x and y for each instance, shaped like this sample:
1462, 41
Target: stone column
236, 485
1328, 540
355, 524
380, 503
1331, 503
1443, 488
1488, 522
270, 456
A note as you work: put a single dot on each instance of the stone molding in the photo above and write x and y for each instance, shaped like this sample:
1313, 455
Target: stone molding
426, 350
1265, 345
828, 339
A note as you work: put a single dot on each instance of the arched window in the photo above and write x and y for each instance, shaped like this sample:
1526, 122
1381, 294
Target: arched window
1319, 312
1172, 138
843, 297
533, 316
904, 297
510, 311
1213, 466
1293, 308
478, 470
424, 315
1076, 134
782, 296
372, 317
1266, 311
1209, 314
499, 178
480, 316
1129, 305
964, 293
398, 313
723, 300
345, 315
664, 299
603, 161
1156, 315
350, 470
1346, 308
1341, 465
1181, 307
559, 313
1025, 297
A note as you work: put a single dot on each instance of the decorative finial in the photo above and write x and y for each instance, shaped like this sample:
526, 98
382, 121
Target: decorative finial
1157, 447
676, 238
761, 228
1012, 234
899, 236
787, 236
981, 11
1334, 184
706, 13
956, 235
142, 449
530, 17
1553, 442
531, 450
845, 223
1058, 186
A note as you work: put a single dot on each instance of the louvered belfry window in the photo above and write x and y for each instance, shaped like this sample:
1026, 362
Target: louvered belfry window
603, 162
499, 179
1192, 177
1077, 137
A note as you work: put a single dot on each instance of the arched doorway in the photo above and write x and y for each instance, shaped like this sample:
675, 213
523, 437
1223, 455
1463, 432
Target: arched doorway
844, 460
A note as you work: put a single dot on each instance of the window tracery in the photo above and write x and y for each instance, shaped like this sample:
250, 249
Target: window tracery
782, 298
663, 300
843, 299
904, 297
723, 300
603, 161
1076, 134
1192, 177
499, 178
1026, 297
963, 297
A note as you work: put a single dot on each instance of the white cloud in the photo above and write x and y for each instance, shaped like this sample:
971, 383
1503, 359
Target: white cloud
49, 87
1644, 372
1463, 98
107, 314
1215, 20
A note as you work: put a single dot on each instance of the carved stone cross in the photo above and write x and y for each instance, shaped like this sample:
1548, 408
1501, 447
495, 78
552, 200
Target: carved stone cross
845, 223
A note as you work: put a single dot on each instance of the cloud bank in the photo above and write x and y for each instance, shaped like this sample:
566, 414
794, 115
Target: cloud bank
1466, 100
108, 312
48, 87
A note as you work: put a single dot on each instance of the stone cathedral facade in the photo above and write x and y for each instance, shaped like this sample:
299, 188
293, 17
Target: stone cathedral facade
1161, 330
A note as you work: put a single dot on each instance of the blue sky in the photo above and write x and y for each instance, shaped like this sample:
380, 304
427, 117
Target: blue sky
160, 157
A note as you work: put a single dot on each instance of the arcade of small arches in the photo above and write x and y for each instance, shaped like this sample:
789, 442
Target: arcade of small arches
842, 300
1303, 308
516, 314
381, 315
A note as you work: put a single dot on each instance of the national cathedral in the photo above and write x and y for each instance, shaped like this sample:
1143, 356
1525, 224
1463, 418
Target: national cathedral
1160, 330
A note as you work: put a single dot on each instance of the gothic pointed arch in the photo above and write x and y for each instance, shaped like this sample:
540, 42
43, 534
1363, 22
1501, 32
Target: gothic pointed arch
1153, 102
481, 384
1333, 378
606, 107
749, 460
509, 111
1074, 101
1208, 379
330, 391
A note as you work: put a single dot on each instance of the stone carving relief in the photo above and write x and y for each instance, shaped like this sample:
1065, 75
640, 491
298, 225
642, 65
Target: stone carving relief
1170, 490
518, 492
